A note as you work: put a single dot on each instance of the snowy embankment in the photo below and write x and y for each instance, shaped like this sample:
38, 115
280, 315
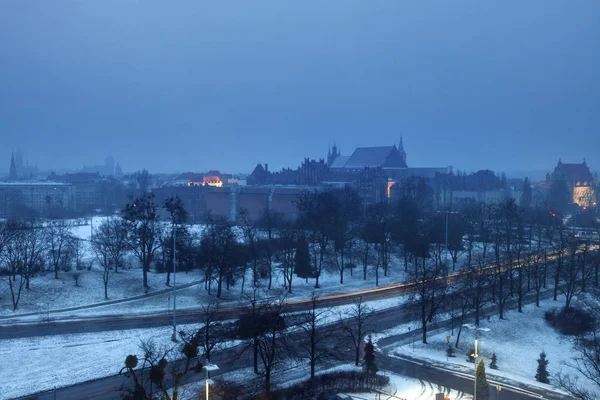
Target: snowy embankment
517, 342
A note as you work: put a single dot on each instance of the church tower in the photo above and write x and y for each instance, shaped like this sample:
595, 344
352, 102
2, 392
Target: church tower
332, 154
12, 175
401, 150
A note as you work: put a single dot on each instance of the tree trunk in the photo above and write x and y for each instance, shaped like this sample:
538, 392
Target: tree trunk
255, 345
145, 269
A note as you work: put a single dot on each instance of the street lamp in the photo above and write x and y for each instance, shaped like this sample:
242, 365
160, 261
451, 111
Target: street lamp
208, 368
174, 336
447, 212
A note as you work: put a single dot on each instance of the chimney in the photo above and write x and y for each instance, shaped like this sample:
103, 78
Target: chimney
267, 167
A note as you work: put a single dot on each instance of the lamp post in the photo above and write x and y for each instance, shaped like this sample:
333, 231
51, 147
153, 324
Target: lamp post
208, 368
475, 356
447, 212
174, 336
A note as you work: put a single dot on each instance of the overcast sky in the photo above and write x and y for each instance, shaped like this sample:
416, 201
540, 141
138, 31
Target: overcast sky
197, 85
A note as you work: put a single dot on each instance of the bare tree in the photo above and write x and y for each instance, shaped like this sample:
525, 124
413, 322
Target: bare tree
347, 215
212, 333
144, 231
58, 234
537, 270
266, 326
250, 231
217, 249
313, 344
587, 363
178, 216
430, 291
317, 216
269, 223
357, 324
288, 243
10, 252
101, 249
557, 237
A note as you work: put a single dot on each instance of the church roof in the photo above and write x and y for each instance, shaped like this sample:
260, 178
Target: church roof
384, 156
575, 172
340, 161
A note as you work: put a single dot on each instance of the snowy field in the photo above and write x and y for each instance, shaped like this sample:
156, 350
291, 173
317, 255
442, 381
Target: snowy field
517, 341
53, 295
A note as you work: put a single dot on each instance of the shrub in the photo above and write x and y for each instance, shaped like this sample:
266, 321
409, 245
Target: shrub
450, 351
572, 322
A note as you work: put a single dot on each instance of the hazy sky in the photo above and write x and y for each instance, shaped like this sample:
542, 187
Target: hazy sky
193, 85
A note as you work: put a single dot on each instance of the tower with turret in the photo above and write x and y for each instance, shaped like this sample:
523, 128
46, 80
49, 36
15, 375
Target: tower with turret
332, 154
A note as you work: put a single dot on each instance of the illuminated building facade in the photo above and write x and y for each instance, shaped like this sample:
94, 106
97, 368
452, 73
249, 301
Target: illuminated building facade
581, 183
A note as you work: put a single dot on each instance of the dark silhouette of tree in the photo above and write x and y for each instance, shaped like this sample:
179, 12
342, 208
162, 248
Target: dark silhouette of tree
265, 325
494, 362
317, 216
369, 365
541, 375
220, 258
143, 231
302, 263
526, 194
430, 291
560, 199
347, 214
269, 223
250, 231
148, 381
178, 216
287, 244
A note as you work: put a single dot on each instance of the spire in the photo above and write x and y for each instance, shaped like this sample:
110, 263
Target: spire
13, 168
401, 144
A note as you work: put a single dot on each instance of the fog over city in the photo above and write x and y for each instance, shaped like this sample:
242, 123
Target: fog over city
195, 86
299, 200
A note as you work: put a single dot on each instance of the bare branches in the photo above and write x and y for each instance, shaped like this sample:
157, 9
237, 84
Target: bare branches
357, 324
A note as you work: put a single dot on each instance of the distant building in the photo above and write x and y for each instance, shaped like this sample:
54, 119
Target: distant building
371, 170
108, 169
19, 170
37, 196
229, 201
581, 183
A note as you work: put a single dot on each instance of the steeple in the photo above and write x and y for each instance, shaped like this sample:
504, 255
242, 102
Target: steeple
12, 175
401, 149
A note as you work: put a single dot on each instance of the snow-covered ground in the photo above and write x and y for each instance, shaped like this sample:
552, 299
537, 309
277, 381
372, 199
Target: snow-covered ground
49, 294
42, 363
55, 361
517, 341
411, 389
